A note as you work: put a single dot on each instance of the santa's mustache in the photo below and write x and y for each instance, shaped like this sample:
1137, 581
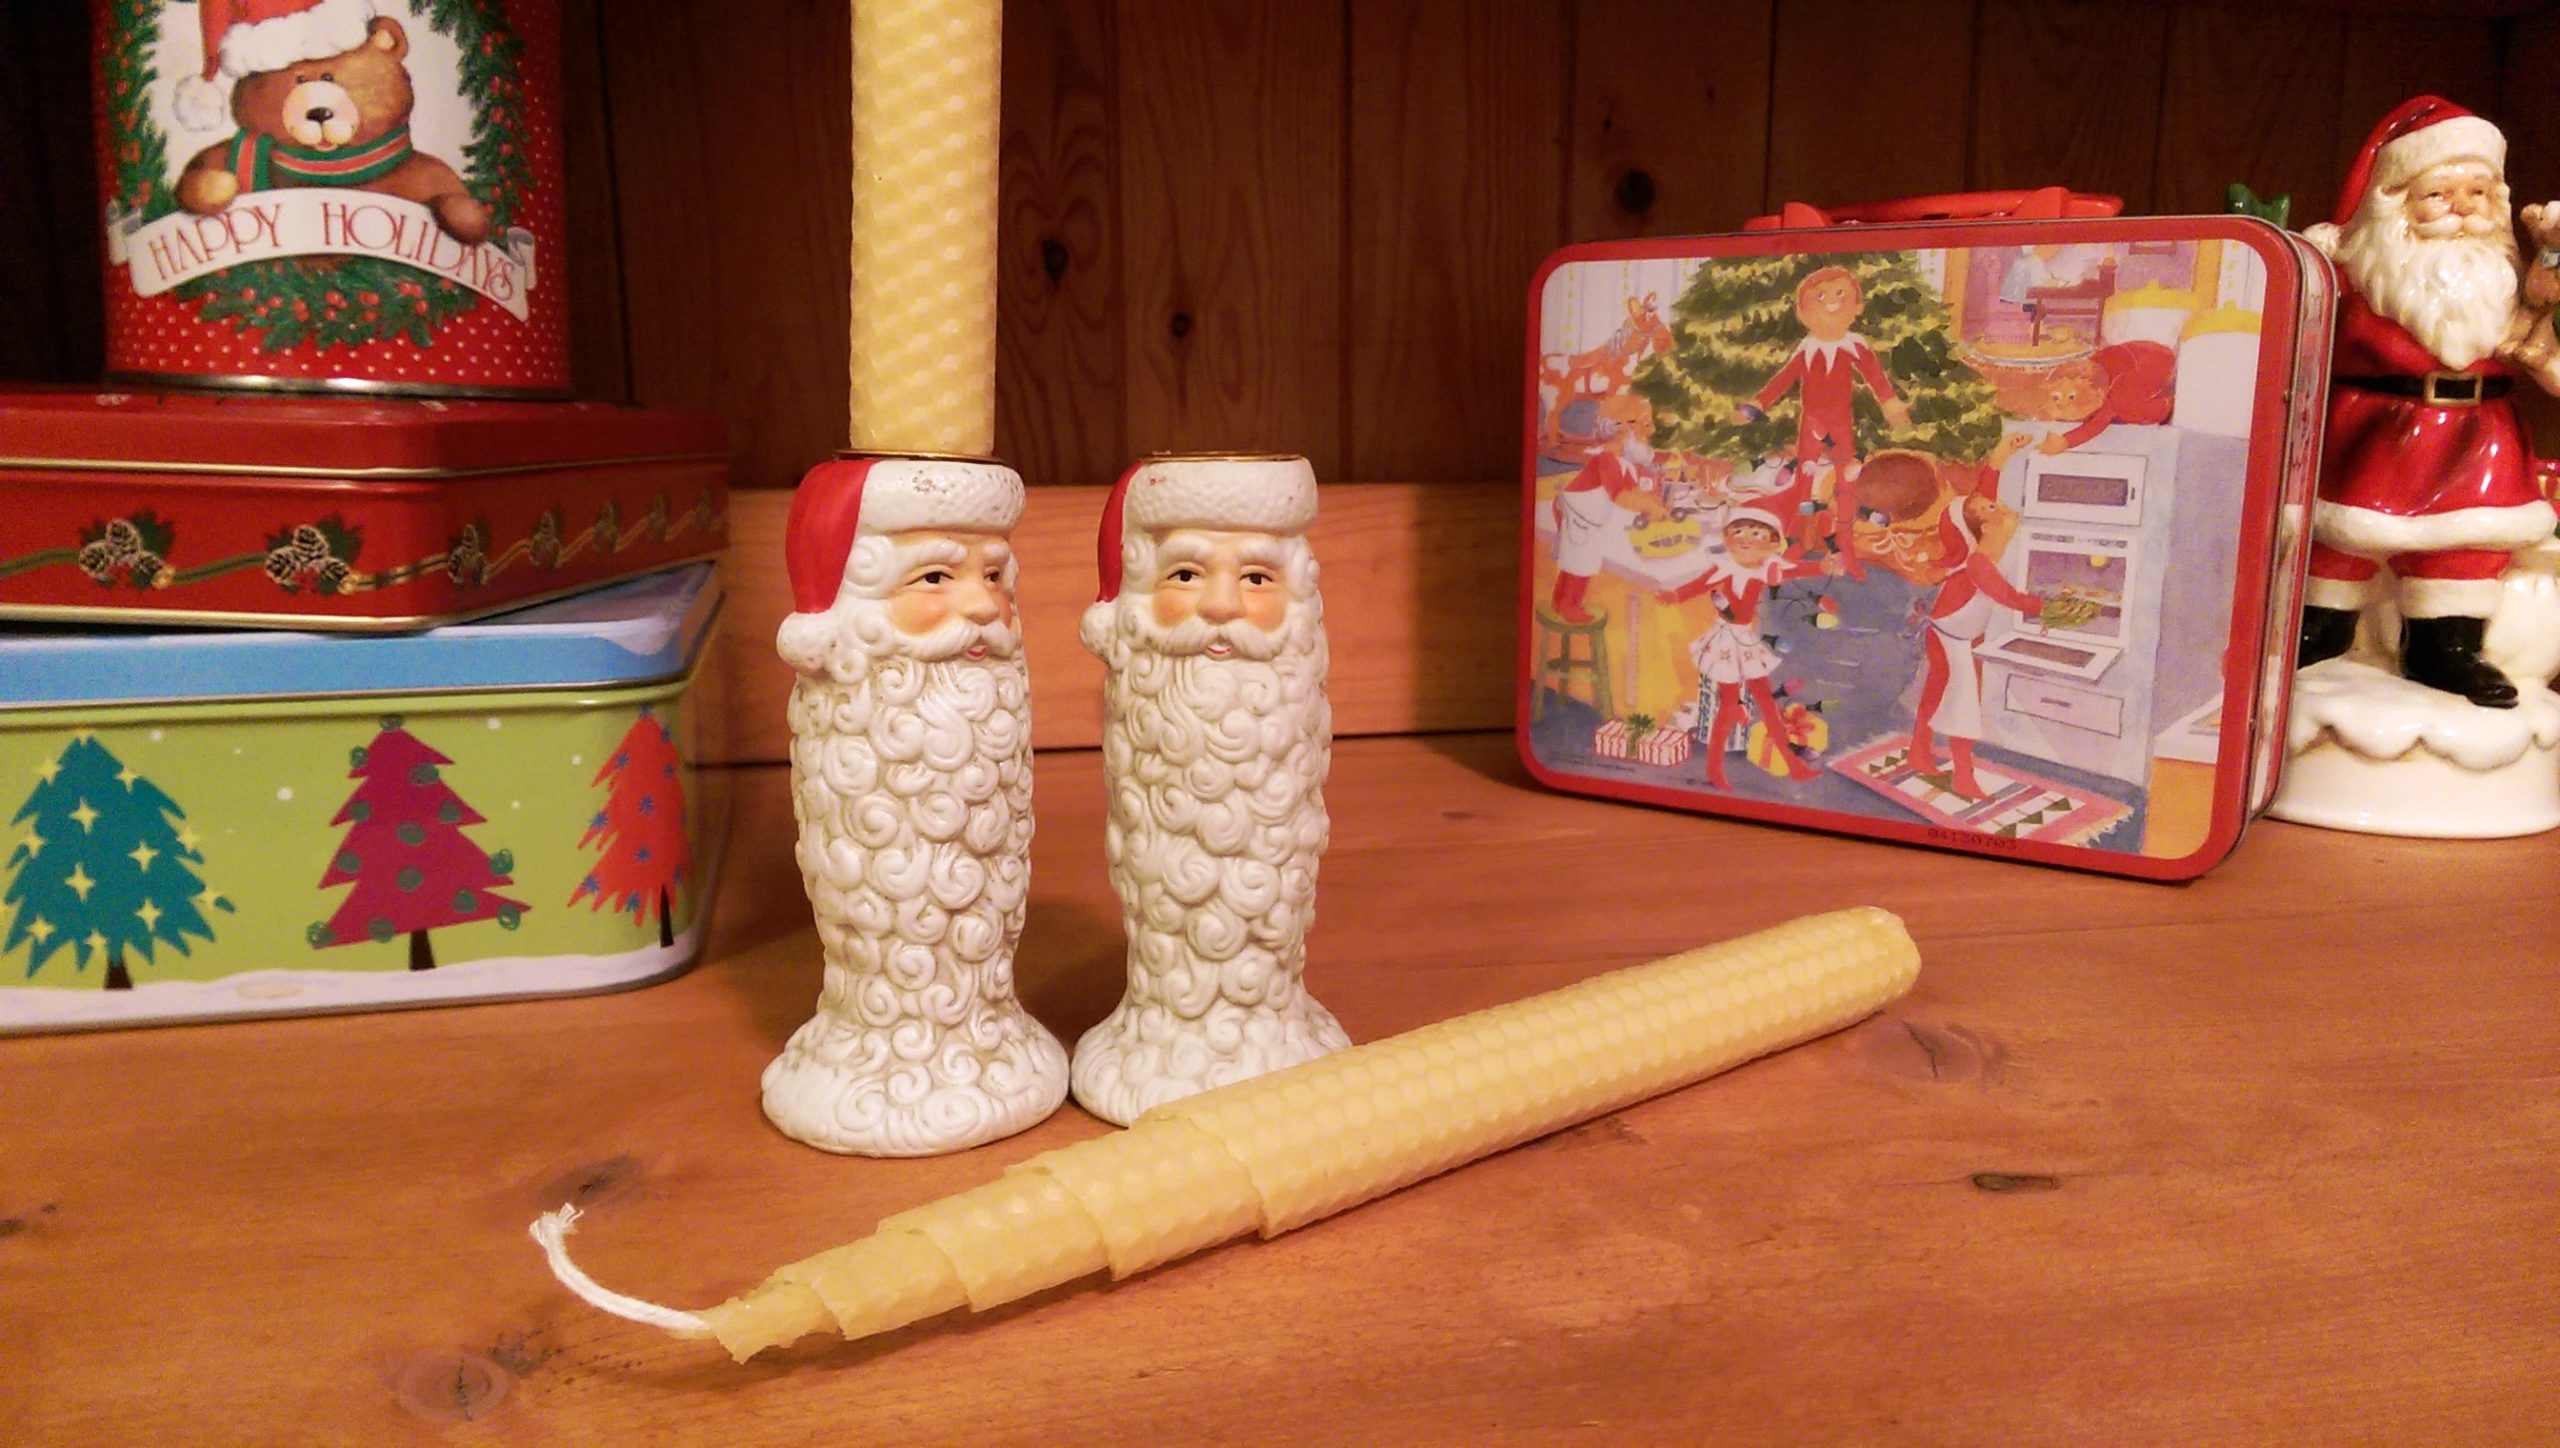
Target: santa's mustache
2450, 224
955, 638
1197, 635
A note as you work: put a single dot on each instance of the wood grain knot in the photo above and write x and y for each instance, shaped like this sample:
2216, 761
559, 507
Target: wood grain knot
461, 1387
1179, 326
1635, 192
592, 1184
1605, 1131
1053, 259
2003, 1181
1941, 1055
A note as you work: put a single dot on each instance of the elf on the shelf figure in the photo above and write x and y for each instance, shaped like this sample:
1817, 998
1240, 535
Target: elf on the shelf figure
1617, 486
1732, 655
1828, 365
2427, 465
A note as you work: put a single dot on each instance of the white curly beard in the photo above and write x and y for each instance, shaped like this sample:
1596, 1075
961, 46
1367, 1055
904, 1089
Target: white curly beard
1216, 772
911, 782
2454, 291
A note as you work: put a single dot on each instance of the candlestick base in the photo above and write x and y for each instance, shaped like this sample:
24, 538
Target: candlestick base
1145, 1053
921, 1090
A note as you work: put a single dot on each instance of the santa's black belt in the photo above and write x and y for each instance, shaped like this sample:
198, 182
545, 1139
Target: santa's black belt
2450, 389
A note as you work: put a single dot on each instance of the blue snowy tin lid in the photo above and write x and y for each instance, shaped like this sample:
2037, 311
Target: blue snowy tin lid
634, 632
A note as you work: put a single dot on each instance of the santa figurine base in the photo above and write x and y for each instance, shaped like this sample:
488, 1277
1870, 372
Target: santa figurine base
2374, 752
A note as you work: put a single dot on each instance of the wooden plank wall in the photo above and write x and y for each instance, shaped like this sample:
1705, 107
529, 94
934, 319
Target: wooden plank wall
1308, 224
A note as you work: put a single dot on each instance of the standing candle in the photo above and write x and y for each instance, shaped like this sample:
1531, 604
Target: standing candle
924, 225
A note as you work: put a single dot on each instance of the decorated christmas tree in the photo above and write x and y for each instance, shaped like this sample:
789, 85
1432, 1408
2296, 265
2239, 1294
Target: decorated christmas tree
640, 830
103, 867
1736, 325
405, 853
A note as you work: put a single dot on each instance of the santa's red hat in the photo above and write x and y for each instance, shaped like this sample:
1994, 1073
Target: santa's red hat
1260, 493
841, 500
2423, 132
244, 37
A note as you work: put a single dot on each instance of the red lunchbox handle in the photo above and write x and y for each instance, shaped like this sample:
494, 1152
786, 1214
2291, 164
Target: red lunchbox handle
2046, 203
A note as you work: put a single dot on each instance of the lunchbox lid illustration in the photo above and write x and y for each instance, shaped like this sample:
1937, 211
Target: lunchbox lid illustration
280, 435
638, 631
1933, 521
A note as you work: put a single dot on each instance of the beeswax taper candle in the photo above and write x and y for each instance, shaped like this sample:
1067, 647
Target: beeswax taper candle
1285, 1149
925, 124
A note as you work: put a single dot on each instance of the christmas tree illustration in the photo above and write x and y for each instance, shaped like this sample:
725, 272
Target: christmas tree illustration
405, 853
1736, 325
103, 869
640, 830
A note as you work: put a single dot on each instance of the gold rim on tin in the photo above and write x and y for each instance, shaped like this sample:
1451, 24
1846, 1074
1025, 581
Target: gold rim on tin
341, 386
291, 470
321, 622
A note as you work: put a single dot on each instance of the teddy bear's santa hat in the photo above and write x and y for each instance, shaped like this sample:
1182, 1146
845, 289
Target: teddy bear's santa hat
842, 500
1261, 493
245, 37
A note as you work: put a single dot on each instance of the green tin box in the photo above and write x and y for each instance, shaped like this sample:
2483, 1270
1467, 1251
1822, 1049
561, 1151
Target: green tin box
203, 826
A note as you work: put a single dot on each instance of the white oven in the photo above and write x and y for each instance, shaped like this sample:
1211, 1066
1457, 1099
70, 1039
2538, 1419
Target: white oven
2090, 573
2085, 487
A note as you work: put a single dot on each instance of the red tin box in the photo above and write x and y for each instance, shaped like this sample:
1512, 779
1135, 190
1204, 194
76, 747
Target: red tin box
339, 513
1984, 535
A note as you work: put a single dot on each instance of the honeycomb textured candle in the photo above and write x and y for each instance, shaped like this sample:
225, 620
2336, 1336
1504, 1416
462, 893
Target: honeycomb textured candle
1285, 1149
924, 225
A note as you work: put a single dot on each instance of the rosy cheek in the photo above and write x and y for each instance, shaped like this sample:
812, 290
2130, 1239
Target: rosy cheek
1266, 611
1172, 606
916, 613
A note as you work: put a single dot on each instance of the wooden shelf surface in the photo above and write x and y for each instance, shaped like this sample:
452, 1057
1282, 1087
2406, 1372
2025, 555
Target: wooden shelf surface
2272, 1157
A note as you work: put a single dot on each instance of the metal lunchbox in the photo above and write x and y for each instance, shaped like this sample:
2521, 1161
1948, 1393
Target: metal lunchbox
203, 826
339, 513
1983, 534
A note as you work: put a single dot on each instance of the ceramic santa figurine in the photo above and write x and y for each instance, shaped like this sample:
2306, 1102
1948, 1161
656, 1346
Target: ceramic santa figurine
2428, 468
911, 782
2429, 491
1215, 739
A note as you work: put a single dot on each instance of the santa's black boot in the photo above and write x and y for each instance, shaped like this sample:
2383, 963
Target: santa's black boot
2326, 633
2444, 653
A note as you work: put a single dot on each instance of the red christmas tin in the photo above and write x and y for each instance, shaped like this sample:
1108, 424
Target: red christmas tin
1983, 534
339, 513
359, 195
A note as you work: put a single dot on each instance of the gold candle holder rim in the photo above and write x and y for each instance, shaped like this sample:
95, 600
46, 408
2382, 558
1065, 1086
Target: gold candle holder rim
917, 455
1223, 457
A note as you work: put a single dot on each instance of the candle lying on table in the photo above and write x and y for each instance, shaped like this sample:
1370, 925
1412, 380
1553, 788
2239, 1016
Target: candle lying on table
1285, 1149
925, 85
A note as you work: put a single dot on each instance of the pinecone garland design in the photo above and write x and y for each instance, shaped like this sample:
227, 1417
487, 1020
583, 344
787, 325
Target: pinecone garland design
98, 561
466, 560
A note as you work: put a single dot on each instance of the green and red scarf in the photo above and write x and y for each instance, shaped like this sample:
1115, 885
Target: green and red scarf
263, 163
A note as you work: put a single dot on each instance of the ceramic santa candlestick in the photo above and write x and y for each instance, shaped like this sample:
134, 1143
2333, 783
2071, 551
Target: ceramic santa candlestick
911, 781
2429, 490
1216, 738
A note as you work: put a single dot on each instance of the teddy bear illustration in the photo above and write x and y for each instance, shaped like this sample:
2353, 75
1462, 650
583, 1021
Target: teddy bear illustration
2532, 346
321, 96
